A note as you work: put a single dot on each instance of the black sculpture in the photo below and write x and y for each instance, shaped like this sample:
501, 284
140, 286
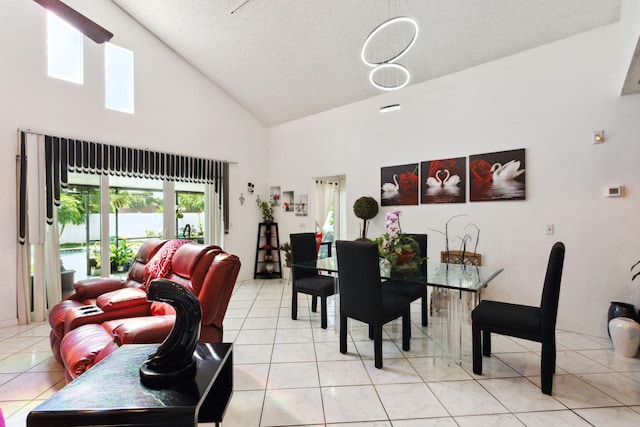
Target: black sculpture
174, 357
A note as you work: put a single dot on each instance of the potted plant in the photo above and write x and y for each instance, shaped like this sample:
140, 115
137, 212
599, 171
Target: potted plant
395, 246
286, 248
121, 255
266, 209
365, 208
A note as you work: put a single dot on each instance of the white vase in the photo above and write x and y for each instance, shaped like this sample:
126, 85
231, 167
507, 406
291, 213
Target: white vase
625, 336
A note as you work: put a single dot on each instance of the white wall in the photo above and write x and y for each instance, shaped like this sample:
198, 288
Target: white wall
177, 110
548, 101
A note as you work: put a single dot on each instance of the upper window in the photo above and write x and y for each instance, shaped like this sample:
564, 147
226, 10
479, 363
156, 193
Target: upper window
118, 83
64, 59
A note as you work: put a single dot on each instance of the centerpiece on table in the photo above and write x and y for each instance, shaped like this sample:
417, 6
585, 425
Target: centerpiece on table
396, 247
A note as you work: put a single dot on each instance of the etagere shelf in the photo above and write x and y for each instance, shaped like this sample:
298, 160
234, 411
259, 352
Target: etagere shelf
268, 264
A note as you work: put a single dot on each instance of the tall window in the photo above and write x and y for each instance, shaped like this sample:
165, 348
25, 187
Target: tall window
64, 55
118, 83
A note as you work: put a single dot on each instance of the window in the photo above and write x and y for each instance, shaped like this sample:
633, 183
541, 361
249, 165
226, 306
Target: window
64, 55
118, 78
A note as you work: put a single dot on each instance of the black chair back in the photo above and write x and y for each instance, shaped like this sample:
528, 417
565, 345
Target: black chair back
359, 273
422, 243
303, 249
551, 289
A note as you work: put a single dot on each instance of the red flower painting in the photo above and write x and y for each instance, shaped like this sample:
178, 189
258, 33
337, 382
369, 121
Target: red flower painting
399, 185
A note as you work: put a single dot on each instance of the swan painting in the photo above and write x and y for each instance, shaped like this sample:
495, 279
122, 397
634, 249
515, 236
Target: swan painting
509, 170
389, 190
450, 180
435, 182
498, 176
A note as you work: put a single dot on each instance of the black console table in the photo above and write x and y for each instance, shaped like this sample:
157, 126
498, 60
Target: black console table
110, 393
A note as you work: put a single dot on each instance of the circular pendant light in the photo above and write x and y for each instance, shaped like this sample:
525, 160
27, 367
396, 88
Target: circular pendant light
379, 76
397, 21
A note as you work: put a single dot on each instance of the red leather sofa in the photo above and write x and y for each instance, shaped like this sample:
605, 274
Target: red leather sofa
124, 316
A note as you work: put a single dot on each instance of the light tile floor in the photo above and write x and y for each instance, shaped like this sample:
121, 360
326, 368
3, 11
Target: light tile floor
290, 373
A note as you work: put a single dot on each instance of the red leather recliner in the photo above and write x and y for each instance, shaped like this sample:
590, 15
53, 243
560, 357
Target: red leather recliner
207, 271
87, 292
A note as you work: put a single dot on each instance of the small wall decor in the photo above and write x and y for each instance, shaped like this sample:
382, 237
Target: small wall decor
443, 181
241, 198
497, 176
399, 185
302, 205
274, 193
287, 201
250, 188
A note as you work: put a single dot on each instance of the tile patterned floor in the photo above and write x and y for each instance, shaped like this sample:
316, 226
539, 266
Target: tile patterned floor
290, 373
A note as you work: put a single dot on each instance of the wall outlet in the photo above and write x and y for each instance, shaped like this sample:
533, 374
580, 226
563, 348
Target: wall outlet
548, 229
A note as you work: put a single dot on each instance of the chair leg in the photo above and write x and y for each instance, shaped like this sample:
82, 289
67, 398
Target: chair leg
294, 304
406, 331
343, 334
377, 345
323, 312
547, 366
477, 349
371, 332
486, 343
425, 306
314, 303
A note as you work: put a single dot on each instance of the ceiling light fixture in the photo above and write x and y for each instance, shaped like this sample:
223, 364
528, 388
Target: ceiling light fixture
384, 46
384, 80
390, 107
381, 27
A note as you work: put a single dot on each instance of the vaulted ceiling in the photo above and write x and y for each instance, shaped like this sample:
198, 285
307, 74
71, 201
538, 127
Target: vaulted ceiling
287, 59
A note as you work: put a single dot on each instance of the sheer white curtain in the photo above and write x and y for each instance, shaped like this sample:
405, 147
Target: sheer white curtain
323, 198
213, 217
44, 289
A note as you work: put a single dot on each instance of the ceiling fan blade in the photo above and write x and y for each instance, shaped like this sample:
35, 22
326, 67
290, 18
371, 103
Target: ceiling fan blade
83, 24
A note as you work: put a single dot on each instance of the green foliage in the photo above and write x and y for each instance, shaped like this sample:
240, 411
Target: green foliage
266, 209
191, 202
121, 252
71, 209
365, 208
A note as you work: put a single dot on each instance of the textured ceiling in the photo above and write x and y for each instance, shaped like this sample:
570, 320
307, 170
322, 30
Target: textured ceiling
287, 59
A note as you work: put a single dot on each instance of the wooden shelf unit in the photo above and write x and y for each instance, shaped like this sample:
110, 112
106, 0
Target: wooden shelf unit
268, 264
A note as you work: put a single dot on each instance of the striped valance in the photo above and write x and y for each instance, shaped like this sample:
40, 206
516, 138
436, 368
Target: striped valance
64, 155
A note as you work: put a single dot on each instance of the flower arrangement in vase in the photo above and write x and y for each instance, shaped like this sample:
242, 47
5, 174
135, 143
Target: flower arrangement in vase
395, 246
266, 209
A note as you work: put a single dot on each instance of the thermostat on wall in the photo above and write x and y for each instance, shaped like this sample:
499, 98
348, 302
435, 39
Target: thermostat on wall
613, 190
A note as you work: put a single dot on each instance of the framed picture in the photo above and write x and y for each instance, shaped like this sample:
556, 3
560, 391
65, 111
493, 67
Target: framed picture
497, 176
287, 201
275, 195
302, 205
443, 181
399, 185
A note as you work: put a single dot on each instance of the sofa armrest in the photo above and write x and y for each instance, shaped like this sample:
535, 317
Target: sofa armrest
80, 348
94, 287
122, 298
92, 314
140, 330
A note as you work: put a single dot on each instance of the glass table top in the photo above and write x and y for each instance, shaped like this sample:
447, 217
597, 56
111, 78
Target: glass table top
452, 276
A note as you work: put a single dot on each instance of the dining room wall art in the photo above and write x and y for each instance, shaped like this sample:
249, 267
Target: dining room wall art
497, 176
443, 181
302, 205
275, 195
399, 185
287, 201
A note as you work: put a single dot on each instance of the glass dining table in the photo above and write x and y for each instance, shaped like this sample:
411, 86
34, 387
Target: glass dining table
456, 287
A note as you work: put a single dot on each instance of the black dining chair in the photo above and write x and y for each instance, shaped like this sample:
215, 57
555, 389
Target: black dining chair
362, 297
521, 321
412, 290
307, 280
